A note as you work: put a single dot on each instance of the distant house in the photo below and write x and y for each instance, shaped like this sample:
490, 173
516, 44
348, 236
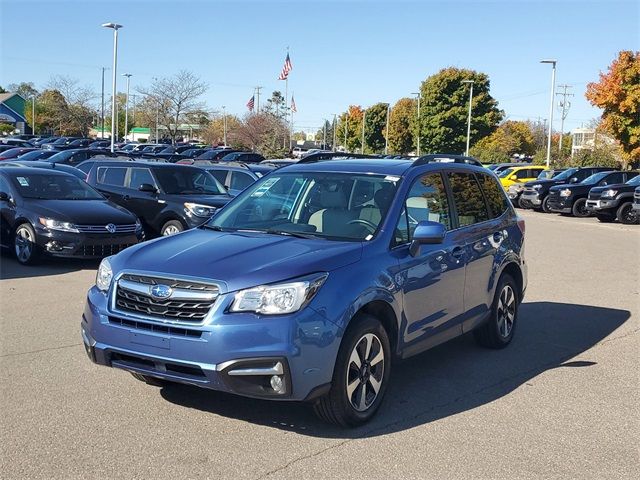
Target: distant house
587, 138
12, 111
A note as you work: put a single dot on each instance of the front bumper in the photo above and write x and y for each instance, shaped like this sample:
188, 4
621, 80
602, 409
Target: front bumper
599, 205
84, 245
560, 205
300, 348
636, 205
532, 198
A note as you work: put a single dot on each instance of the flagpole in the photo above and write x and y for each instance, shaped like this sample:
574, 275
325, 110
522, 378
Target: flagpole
286, 101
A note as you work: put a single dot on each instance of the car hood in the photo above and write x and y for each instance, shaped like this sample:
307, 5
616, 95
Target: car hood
237, 260
620, 187
549, 182
82, 212
209, 200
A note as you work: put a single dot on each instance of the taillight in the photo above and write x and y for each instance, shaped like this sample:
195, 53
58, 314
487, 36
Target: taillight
521, 224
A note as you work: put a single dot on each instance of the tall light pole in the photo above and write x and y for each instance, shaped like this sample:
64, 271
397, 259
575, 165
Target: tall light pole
346, 130
115, 28
102, 103
470, 82
335, 124
417, 94
224, 124
553, 87
364, 121
33, 114
386, 136
126, 107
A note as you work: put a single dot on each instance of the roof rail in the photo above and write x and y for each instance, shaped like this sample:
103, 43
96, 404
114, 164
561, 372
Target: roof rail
321, 156
445, 158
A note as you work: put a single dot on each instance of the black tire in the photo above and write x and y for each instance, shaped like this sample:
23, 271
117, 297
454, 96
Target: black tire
337, 405
605, 218
156, 382
171, 227
545, 205
492, 333
579, 208
626, 215
25, 248
522, 203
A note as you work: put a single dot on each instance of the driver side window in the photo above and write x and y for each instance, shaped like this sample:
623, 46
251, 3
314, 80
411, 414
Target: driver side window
426, 201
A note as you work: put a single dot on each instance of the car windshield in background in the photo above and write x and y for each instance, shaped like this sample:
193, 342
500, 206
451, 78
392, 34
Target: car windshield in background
545, 174
595, 178
567, 174
61, 156
634, 181
188, 181
53, 187
339, 206
506, 173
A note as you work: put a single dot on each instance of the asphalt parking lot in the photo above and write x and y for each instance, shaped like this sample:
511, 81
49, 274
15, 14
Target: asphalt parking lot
560, 402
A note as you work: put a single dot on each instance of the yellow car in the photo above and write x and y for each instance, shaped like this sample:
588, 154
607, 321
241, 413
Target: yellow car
515, 175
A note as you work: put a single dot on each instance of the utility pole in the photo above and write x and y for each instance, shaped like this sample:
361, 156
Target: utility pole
126, 107
102, 115
258, 98
334, 133
324, 138
346, 129
417, 94
470, 82
386, 136
565, 105
33, 114
224, 124
364, 120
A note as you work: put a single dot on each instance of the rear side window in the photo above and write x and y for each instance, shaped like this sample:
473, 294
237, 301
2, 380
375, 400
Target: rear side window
240, 181
613, 179
140, 176
220, 175
497, 200
111, 176
468, 199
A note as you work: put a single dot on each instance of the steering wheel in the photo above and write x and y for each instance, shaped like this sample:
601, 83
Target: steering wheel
366, 223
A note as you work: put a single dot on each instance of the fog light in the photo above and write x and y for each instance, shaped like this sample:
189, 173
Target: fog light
277, 384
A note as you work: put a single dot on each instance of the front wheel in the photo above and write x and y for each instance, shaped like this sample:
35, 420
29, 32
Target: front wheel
579, 208
360, 376
522, 203
545, 205
627, 215
498, 331
171, 228
24, 244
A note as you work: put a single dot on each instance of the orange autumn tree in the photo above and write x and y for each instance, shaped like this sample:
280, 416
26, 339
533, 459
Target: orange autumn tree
617, 93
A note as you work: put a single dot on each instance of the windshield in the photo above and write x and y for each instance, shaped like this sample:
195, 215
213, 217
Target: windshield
595, 178
566, 174
505, 173
53, 187
634, 181
339, 206
545, 174
188, 181
61, 157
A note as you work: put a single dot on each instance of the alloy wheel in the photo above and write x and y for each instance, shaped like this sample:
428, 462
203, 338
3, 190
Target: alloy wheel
365, 372
506, 311
170, 230
24, 244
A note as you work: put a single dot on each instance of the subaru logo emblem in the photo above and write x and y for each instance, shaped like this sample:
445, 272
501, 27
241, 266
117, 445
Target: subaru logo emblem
111, 228
161, 291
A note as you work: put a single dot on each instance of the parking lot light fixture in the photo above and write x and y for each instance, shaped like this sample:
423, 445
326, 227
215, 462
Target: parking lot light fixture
126, 107
224, 124
470, 82
115, 27
553, 87
417, 94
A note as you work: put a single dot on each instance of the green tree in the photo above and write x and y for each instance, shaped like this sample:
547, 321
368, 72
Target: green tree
25, 89
617, 93
320, 135
444, 107
510, 138
375, 125
350, 128
401, 126
275, 105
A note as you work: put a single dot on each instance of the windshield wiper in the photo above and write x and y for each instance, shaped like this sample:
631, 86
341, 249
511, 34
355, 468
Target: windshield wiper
216, 228
291, 234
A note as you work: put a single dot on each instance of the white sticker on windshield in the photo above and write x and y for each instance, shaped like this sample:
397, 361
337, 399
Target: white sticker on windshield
391, 178
23, 181
265, 186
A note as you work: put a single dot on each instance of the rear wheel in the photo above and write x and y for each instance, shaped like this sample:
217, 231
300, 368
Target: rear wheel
627, 215
579, 208
498, 331
605, 218
545, 205
24, 244
360, 376
171, 228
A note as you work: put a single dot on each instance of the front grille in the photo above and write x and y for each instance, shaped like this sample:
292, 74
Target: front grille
101, 250
188, 302
128, 228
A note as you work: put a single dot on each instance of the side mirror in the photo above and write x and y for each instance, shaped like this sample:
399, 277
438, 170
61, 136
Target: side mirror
4, 197
513, 177
426, 233
147, 187
573, 180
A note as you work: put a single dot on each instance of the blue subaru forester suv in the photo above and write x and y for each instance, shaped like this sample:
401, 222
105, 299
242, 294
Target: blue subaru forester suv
312, 282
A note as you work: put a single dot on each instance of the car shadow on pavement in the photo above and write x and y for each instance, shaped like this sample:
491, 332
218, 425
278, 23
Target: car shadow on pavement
11, 269
449, 379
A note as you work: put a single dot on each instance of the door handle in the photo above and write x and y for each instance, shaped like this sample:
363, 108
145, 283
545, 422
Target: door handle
457, 253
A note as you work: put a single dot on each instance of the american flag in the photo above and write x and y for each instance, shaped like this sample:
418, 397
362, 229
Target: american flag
251, 103
293, 105
285, 69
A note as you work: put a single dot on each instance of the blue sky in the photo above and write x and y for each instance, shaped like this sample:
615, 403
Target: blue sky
343, 53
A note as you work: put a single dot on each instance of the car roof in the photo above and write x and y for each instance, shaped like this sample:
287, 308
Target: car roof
142, 163
353, 165
32, 170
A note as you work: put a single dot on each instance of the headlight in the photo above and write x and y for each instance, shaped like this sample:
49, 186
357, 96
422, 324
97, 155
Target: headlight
537, 187
104, 275
57, 225
609, 193
198, 210
565, 193
278, 299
